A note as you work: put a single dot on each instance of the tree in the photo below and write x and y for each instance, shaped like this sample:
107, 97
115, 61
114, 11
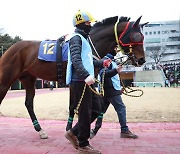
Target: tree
16, 39
156, 55
6, 41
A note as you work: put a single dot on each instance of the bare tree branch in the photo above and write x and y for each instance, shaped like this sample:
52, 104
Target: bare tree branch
156, 55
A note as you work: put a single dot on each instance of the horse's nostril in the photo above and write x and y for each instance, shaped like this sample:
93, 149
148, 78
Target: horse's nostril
141, 61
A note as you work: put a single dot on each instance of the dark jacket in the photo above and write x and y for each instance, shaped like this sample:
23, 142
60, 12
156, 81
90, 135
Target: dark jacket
109, 90
79, 73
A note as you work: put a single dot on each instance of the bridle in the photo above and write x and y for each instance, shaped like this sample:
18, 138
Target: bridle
132, 41
124, 40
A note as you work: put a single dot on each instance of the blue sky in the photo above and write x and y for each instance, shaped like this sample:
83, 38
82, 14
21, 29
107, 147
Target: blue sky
49, 19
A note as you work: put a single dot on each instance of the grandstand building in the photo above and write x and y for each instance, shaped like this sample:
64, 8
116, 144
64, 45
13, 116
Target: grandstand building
162, 38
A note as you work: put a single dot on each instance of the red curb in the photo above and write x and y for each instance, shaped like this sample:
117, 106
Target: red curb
18, 137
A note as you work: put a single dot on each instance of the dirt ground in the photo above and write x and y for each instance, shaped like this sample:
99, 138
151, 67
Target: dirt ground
156, 105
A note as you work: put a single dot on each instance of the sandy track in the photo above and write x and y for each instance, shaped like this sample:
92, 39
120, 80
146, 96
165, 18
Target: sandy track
156, 105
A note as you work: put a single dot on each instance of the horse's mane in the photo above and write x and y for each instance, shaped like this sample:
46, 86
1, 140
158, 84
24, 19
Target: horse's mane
110, 21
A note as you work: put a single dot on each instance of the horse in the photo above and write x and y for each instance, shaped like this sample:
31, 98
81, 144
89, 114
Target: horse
20, 61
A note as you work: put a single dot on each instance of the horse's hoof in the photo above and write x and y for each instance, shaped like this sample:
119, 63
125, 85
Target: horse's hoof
43, 134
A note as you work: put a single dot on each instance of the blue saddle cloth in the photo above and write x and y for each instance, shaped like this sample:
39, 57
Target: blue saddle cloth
48, 52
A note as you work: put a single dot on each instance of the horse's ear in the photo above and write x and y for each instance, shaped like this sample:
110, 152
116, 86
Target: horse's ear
142, 25
136, 23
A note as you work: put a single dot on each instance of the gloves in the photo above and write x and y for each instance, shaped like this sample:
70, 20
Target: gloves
89, 80
107, 62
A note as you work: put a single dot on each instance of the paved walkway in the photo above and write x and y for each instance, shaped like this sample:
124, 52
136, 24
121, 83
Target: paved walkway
17, 136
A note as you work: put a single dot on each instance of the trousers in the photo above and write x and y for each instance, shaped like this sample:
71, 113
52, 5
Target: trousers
89, 110
119, 107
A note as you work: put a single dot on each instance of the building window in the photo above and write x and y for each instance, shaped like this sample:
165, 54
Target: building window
153, 40
154, 32
150, 33
172, 39
146, 33
173, 31
155, 48
165, 32
159, 32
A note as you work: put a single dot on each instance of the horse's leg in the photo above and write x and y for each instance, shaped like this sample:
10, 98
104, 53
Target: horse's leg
70, 119
98, 125
8, 75
71, 116
5, 83
3, 91
28, 82
104, 106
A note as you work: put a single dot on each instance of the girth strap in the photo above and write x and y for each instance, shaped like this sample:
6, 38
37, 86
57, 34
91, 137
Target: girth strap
60, 43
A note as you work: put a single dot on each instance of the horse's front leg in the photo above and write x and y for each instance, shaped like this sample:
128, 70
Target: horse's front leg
28, 82
71, 117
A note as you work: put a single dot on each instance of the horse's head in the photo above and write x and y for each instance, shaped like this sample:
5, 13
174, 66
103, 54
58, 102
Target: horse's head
113, 32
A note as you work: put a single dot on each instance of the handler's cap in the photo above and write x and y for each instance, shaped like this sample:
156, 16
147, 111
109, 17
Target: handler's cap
109, 56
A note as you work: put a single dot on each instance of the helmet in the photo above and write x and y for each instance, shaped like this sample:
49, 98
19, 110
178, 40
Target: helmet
81, 17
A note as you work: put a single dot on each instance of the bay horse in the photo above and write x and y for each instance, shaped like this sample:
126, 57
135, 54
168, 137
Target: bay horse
20, 61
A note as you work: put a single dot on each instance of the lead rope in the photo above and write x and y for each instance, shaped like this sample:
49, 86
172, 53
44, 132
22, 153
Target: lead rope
126, 92
130, 90
101, 93
89, 38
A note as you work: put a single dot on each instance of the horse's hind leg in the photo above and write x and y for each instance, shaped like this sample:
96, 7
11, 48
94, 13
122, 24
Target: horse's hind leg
28, 82
3, 91
5, 83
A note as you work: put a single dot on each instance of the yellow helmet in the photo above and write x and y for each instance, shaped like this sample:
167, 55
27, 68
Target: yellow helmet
81, 17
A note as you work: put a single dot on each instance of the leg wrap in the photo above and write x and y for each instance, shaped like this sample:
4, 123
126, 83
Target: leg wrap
36, 125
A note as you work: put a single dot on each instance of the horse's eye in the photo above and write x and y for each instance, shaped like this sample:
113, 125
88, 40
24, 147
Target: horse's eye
136, 37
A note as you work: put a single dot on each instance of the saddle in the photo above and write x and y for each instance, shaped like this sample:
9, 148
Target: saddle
54, 51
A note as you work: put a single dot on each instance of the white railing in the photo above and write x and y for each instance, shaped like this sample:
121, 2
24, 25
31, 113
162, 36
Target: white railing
148, 84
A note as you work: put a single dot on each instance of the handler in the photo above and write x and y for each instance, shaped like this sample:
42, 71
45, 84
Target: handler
112, 94
80, 72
